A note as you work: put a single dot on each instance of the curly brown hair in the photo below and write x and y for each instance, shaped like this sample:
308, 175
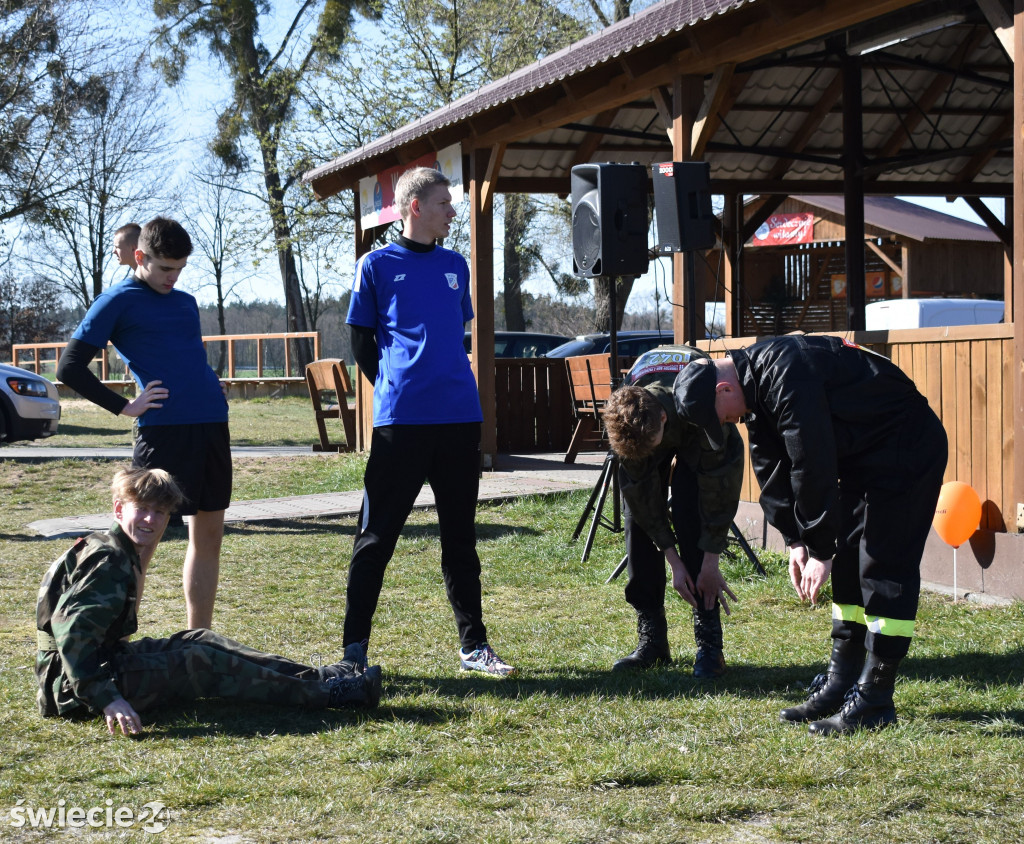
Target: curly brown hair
632, 418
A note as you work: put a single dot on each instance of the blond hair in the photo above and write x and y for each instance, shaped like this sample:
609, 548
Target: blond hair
153, 487
413, 184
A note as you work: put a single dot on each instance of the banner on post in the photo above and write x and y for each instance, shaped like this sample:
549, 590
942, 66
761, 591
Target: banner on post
377, 193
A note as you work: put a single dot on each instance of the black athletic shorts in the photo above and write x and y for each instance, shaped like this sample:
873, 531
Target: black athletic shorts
198, 456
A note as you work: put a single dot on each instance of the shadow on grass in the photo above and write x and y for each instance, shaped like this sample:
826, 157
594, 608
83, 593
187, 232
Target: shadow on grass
348, 528
1009, 723
224, 717
674, 682
67, 430
25, 537
974, 668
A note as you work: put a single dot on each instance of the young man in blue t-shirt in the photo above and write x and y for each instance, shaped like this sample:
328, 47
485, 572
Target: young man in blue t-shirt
181, 408
410, 302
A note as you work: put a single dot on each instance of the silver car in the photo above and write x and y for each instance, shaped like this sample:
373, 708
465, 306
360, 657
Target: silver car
29, 406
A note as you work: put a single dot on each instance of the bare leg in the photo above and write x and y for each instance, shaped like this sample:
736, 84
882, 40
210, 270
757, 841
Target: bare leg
202, 566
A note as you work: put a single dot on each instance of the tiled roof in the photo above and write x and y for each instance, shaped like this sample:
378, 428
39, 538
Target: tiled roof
642, 28
936, 107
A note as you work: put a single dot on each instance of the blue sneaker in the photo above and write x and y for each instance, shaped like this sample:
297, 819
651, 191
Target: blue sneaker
486, 660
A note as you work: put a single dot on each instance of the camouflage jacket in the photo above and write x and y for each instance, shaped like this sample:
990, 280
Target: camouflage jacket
719, 478
86, 606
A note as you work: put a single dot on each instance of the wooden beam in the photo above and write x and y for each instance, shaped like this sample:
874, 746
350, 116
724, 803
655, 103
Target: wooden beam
708, 119
889, 262
1001, 22
976, 163
590, 144
663, 103
998, 228
802, 137
490, 179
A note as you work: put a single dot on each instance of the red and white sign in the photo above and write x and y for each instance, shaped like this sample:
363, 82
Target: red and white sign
377, 193
785, 229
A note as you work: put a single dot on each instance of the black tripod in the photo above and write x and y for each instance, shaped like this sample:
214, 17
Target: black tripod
595, 504
610, 470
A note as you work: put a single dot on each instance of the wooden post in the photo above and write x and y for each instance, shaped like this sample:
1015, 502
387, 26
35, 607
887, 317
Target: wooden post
853, 191
482, 175
732, 244
687, 96
1018, 269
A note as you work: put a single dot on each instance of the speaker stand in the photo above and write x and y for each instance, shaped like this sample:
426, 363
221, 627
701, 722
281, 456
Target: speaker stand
609, 477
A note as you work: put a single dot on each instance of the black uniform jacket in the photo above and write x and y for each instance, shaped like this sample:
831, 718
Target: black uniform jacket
823, 410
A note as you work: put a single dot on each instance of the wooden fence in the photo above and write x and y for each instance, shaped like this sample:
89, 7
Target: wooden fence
965, 372
240, 367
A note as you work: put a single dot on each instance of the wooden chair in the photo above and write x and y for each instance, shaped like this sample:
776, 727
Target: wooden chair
590, 380
331, 376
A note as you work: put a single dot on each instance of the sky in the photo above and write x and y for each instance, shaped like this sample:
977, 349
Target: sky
196, 102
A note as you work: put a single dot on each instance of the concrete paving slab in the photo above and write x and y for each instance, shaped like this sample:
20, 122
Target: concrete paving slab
513, 477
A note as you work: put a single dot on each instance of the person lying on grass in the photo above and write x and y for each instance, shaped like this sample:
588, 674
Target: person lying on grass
87, 610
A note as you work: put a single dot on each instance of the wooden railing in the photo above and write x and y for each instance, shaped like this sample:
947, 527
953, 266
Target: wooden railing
42, 358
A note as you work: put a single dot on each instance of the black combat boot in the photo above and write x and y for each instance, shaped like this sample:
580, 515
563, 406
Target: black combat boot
353, 662
827, 691
355, 689
868, 704
707, 632
652, 648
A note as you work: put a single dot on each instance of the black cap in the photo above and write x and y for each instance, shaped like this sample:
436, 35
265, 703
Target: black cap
694, 390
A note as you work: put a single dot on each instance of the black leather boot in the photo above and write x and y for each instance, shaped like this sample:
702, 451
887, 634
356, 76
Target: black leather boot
707, 632
652, 647
827, 691
868, 704
361, 690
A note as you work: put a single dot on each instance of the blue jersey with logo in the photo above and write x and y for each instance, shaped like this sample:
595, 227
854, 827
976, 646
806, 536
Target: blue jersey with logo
418, 304
160, 338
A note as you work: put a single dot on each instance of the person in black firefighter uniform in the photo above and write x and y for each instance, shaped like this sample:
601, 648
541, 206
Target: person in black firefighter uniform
646, 434
850, 459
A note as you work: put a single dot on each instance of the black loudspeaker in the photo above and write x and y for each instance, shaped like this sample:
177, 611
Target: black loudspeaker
682, 205
609, 219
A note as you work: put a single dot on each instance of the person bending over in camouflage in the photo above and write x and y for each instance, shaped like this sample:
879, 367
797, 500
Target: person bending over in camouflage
647, 435
86, 611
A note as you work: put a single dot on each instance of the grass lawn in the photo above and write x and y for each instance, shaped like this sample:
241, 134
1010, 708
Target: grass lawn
563, 752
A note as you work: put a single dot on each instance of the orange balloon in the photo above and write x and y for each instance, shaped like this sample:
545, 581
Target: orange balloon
958, 513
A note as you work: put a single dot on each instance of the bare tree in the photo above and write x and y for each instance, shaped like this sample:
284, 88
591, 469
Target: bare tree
118, 138
29, 311
218, 221
44, 67
263, 98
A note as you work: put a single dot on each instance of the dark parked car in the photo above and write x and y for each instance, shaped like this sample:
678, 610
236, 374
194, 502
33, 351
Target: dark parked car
628, 343
29, 407
521, 344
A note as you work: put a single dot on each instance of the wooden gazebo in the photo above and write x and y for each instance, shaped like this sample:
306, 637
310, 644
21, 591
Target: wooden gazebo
855, 99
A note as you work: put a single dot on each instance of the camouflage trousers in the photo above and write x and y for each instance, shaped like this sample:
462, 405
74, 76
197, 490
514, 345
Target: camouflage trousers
200, 663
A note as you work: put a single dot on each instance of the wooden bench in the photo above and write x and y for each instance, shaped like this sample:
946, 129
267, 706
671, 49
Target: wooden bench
330, 377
